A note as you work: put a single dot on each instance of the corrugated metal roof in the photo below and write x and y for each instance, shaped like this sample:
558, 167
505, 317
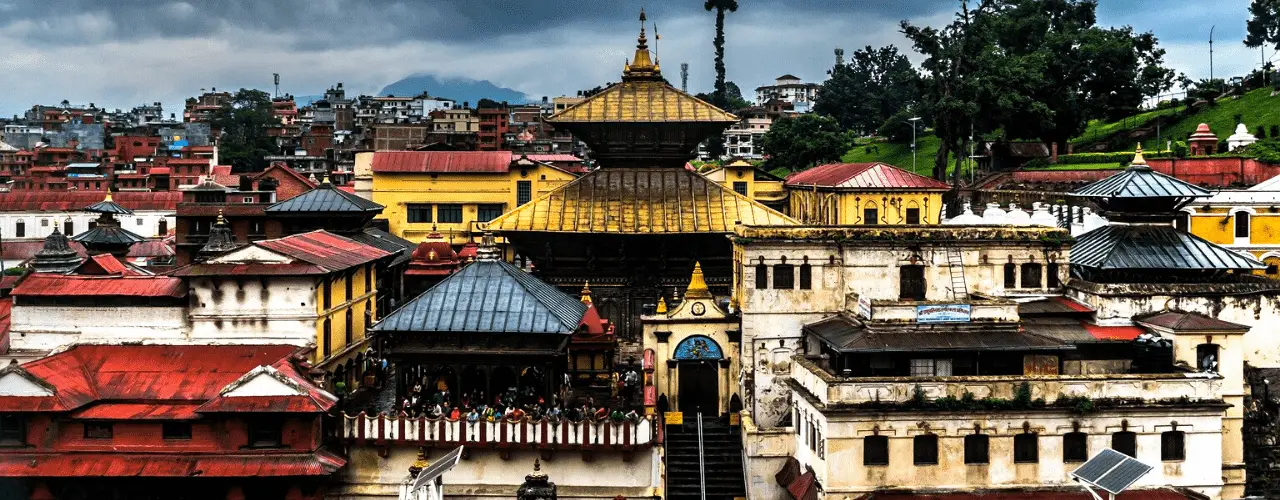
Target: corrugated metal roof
1053, 305
490, 297
326, 199
139, 411
325, 249
1148, 494
375, 237
847, 335
441, 162
1076, 331
106, 464
58, 285
25, 249
108, 206
639, 201
213, 269
642, 102
1139, 181
108, 235
1143, 247
28, 201
863, 176
1179, 321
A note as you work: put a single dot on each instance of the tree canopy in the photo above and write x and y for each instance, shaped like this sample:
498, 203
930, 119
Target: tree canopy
1264, 24
1032, 70
804, 141
242, 126
875, 85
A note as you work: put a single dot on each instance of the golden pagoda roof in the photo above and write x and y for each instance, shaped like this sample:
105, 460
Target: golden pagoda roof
639, 201
643, 96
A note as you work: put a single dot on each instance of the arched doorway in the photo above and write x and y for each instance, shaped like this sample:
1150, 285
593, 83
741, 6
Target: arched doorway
698, 370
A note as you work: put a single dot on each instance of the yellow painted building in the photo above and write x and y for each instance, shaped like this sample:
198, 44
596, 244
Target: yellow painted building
747, 180
346, 302
1247, 221
864, 194
456, 193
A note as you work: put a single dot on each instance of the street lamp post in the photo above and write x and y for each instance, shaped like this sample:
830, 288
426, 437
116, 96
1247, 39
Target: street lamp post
913, 121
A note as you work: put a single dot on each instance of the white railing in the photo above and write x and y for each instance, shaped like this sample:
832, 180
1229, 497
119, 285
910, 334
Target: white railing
587, 434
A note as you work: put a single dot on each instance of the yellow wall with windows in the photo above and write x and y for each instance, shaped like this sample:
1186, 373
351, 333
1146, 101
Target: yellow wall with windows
1218, 225
847, 208
363, 297
767, 191
399, 191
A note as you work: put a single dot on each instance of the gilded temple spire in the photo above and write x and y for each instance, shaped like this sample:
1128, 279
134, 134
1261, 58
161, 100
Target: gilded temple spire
642, 66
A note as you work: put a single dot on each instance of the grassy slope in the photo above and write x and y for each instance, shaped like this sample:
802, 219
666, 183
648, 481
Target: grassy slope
899, 155
1256, 108
1097, 130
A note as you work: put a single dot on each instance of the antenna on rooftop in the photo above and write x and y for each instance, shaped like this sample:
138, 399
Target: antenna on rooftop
277, 78
839, 56
684, 77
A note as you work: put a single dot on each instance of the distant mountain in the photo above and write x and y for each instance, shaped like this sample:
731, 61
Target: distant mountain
458, 89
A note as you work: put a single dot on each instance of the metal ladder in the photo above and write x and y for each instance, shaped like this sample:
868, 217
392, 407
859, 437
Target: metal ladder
959, 289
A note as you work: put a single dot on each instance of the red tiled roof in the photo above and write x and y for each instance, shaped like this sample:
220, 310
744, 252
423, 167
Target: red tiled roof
29, 201
863, 176
58, 285
442, 161
281, 167
139, 411
325, 249
314, 401
6, 319
222, 175
159, 171
1114, 332
105, 264
1146, 494
209, 269
557, 158
318, 463
1190, 322
128, 373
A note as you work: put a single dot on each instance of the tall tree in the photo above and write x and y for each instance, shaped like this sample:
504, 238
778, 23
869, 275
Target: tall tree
1264, 24
242, 125
874, 85
716, 147
804, 141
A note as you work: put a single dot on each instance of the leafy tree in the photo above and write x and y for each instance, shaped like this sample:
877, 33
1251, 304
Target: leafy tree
1264, 24
733, 97
874, 85
804, 141
715, 147
898, 127
241, 126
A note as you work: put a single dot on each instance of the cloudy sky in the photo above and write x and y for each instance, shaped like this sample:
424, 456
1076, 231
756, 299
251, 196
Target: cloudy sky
120, 53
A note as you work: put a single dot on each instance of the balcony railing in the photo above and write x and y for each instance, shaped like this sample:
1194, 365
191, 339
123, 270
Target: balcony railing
540, 434
833, 390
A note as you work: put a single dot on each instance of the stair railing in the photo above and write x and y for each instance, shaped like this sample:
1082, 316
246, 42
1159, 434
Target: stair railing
702, 462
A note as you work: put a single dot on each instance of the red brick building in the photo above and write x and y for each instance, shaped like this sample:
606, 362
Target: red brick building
241, 200
176, 422
493, 128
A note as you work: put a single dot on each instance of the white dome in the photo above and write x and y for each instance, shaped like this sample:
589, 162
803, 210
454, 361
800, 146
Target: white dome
993, 214
1241, 138
1017, 216
1042, 217
968, 218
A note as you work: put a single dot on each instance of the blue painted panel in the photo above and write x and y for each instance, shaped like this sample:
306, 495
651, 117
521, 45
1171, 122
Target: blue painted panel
698, 347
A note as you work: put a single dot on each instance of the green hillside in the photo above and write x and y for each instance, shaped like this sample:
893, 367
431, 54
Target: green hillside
898, 155
1255, 108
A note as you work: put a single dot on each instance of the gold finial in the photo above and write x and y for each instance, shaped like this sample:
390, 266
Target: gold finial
641, 66
662, 305
419, 464
537, 464
586, 292
1137, 157
221, 220
697, 284
108, 198
326, 179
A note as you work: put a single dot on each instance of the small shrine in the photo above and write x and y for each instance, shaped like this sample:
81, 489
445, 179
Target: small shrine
432, 261
220, 240
57, 256
105, 234
1203, 142
1241, 138
537, 486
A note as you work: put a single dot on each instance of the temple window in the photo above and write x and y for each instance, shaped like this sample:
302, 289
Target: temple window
13, 430
163, 228
1182, 221
1031, 275
870, 216
911, 283
1242, 224
175, 430
931, 368
1052, 279
925, 449
976, 447
419, 212
21, 229
1026, 448
328, 337
1207, 357
1075, 447
349, 331
488, 212
784, 275
740, 188
69, 227
98, 430
1125, 442
875, 450
328, 294
806, 275
449, 213
1011, 275
762, 276
350, 280
265, 433
1173, 446
524, 192
913, 216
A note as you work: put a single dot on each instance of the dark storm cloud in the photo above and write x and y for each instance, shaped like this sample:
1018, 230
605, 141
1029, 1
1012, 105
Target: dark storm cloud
319, 24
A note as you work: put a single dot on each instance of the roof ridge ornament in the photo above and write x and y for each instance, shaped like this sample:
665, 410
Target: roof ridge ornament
642, 66
1139, 163
697, 284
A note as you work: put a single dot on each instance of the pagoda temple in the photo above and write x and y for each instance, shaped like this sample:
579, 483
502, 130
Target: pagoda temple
635, 226
106, 235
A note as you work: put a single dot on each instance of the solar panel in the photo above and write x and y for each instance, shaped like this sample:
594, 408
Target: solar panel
1112, 471
440, 466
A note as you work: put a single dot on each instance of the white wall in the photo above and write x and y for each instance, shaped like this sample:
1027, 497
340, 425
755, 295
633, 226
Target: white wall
43, 328
253, 310
41, 224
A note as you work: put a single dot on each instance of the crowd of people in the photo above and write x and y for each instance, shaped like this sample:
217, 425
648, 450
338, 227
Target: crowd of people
511, 405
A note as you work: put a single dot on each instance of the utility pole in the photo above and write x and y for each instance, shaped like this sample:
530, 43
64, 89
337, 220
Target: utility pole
913, 121
1211, 53
277, 79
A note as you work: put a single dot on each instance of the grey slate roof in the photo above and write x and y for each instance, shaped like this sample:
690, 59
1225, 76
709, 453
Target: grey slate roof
1154, 247
488, 297
1139, 181
327, 199
108, 207
108, 235
378, 238
845, 335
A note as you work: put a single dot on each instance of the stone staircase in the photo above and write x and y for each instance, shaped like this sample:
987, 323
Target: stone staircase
722, 452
